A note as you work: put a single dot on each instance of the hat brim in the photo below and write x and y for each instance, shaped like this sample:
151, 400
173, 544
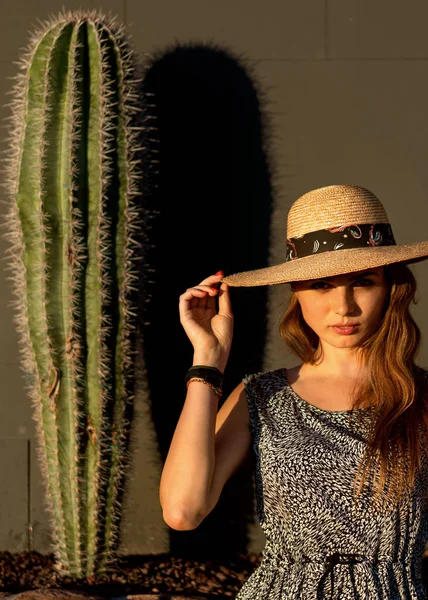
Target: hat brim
328, 264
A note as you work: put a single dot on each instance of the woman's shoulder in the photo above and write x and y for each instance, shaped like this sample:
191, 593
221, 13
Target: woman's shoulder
269, 375
265, 383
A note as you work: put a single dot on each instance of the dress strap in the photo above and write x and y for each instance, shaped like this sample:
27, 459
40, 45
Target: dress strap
330, 561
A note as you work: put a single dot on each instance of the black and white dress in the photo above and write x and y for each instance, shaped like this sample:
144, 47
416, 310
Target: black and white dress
319, 544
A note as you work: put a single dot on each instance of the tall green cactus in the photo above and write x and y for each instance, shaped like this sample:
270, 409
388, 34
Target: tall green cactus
73, 223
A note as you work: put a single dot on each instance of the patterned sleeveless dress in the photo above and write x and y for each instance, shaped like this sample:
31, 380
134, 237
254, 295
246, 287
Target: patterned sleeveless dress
319, 544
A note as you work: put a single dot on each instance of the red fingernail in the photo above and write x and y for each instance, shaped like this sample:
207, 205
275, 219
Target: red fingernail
214, 289
219, 273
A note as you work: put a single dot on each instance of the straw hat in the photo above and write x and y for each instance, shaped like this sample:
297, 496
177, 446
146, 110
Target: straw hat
330, 231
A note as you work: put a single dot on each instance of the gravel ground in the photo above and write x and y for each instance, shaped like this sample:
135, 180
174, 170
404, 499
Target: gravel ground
158, 575
151, 574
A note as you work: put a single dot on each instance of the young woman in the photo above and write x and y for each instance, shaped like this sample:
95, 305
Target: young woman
340, 439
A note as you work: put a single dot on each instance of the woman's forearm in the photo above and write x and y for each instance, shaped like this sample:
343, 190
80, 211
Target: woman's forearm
189, 467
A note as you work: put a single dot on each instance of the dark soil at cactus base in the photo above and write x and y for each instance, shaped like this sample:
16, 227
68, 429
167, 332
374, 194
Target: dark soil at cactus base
134, 575
152, 574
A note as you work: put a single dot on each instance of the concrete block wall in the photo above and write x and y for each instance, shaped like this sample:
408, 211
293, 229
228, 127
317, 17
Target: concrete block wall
347, 89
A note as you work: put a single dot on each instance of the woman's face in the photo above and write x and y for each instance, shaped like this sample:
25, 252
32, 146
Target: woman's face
354, 298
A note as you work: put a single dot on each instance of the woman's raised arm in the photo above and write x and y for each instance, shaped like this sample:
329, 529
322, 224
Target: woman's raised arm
190, 465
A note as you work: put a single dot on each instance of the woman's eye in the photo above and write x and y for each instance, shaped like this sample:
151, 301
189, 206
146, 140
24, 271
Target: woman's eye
363, 281
315, 285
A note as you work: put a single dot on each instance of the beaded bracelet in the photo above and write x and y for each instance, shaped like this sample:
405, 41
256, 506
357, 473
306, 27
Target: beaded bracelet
218, 391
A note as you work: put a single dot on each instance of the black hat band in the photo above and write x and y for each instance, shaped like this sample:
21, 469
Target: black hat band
340, 238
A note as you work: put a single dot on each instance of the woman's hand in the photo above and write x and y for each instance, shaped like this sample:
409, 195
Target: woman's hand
209, 331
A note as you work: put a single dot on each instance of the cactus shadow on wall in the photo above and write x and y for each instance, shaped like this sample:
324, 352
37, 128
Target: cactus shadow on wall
212, 187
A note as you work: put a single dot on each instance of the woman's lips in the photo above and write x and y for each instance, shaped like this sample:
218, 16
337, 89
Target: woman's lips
345, 330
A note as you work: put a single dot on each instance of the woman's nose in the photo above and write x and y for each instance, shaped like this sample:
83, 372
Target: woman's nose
343, 300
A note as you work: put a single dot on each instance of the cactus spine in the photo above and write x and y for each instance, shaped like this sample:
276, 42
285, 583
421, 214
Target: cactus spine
72, 220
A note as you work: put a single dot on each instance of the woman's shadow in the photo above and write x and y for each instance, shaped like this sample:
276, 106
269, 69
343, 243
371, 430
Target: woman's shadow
208, 188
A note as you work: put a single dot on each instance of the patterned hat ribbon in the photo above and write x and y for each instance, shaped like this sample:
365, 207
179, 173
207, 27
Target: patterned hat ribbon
340, 238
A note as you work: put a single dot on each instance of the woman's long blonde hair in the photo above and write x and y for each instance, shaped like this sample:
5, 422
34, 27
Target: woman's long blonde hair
398, 443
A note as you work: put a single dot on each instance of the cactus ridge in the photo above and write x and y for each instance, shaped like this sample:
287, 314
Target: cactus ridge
74, 226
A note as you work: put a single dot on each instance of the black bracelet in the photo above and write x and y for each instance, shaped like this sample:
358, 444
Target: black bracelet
211, 375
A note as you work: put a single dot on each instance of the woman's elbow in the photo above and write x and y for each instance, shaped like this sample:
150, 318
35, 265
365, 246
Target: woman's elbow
180, 523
